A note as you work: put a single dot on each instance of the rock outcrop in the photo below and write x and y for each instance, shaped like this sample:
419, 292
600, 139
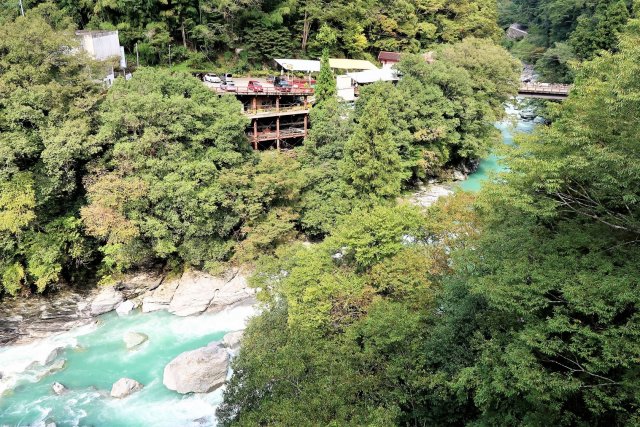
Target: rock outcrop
160, 297
195, 292
106, 300
124, 387
134, 339
58, 388
197, 371
232, 340
125, 307
233, 292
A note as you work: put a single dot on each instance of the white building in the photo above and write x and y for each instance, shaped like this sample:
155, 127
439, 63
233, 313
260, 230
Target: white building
101, 46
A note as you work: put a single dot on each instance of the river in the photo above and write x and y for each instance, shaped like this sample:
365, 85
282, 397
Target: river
95, 357
510, 125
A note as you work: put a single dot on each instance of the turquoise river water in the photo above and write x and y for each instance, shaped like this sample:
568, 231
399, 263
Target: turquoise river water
492, 164
95, 357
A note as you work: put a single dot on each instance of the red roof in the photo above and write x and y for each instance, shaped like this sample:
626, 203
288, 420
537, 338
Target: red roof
389, 56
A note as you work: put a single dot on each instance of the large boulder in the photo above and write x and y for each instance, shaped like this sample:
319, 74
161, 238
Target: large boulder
58, 388
195, 292
197, 371
124, 387
232, 340
134, 339
106, 300
125, 307
160, 297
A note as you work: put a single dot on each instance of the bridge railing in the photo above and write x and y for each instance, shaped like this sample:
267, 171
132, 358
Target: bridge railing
555, 89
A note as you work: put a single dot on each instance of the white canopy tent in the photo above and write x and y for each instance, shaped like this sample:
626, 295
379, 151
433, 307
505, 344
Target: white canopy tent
370, 76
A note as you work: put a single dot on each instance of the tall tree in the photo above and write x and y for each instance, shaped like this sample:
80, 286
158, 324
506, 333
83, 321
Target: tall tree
325, 88
371, 162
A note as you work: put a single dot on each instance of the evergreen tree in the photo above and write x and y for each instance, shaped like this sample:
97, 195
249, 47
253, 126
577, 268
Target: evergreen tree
371, 162
325, 88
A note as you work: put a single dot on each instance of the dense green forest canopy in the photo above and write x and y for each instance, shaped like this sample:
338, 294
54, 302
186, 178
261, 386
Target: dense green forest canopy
520, 307
245, 32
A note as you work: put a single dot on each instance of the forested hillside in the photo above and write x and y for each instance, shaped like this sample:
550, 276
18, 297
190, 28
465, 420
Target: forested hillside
211, 30
562, 32
157, 171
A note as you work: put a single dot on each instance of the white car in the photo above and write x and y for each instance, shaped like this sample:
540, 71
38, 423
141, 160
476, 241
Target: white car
212, 78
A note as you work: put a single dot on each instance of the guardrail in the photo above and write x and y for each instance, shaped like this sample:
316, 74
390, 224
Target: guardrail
251, 111
284, 134
265, 91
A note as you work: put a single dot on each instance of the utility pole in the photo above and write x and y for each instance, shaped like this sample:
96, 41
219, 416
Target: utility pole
169, 56
137, 57
21, 8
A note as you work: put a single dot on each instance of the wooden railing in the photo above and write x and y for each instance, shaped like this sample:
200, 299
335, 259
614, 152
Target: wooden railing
273, 135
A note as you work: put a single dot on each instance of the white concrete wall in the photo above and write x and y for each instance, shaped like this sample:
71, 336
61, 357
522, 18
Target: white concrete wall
101, 45
343, 82
347, 94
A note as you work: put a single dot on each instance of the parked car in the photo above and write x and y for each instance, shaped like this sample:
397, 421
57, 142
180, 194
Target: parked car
282, 85
227, 78
228, 86
255, 86
303, 83
271, 79
211, 78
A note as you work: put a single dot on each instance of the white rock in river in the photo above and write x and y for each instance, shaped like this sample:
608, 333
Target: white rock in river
134, 339
197, 371
58, 388
160, 297
56, 366
124, 387
125, 308
459, 175
232, 340
106, 300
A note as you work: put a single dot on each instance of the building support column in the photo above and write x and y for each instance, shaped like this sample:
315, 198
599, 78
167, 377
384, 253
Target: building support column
255, 134
305, 124
305, 102
278, 104
254, 105
278, 133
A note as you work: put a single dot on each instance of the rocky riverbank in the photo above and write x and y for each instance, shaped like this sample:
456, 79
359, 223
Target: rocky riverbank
47, 335
427, 194
24, 320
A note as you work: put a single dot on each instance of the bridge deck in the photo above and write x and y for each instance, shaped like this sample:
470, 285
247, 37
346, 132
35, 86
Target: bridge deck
544, 90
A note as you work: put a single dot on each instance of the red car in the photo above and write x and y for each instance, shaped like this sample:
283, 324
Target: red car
255, 86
